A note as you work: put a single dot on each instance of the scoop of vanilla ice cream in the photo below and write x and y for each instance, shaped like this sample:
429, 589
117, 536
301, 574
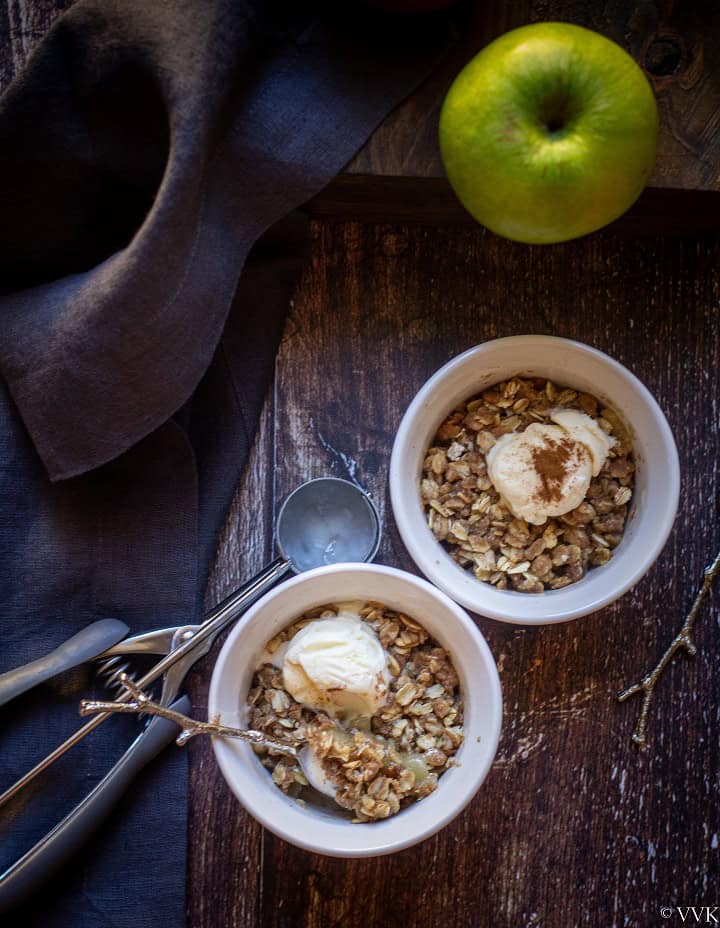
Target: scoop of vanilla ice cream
585, 429
514, 473
337, 665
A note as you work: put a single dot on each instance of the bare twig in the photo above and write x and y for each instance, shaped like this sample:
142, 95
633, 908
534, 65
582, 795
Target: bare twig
683, 639
141, 703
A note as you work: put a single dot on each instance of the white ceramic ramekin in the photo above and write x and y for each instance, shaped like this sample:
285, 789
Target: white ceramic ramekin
571, 364
325, 833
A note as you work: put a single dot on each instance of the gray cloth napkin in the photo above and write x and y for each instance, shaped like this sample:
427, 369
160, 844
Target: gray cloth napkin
144, 150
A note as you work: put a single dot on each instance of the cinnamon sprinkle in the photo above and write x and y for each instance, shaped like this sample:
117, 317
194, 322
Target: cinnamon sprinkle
551, 464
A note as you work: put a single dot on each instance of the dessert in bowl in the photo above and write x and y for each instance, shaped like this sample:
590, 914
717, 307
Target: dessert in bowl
528, 485
387, 683
534, 465
371, 701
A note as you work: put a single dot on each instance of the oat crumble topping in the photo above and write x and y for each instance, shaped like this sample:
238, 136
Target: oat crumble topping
411, 741
469, 518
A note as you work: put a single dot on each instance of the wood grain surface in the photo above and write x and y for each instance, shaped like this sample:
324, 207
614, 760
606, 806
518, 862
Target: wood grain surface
573, 827
676, 42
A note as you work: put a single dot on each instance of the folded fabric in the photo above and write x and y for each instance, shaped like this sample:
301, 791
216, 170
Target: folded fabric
144, 150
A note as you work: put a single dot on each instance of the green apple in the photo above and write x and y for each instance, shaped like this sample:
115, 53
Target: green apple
549, 133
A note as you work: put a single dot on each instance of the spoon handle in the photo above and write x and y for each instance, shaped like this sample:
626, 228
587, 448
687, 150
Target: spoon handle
142, 704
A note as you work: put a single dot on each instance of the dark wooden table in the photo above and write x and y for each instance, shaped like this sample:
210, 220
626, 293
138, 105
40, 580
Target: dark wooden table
573, 826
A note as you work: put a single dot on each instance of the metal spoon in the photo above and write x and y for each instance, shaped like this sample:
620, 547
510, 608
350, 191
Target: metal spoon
141, 703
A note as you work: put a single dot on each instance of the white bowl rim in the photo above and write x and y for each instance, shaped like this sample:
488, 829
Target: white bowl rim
284, 809
509, 606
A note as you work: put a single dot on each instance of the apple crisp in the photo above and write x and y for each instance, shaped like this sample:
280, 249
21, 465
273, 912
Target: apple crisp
379, 765
474, 523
